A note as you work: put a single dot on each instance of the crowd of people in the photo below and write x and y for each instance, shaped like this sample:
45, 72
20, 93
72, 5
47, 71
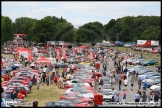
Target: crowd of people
118, 76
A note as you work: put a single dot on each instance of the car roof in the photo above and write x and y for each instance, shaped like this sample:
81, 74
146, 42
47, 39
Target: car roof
71, 98
62, 101
8, 91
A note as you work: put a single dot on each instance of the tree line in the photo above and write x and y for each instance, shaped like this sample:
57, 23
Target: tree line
51, 28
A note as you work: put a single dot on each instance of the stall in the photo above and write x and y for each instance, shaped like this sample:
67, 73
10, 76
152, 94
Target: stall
42, 62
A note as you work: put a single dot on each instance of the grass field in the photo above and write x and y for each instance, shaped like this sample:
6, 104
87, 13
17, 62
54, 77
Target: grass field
45, 93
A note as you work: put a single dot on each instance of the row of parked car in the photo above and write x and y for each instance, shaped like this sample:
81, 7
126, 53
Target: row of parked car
19, 81
153, 78
140, 61
83, 95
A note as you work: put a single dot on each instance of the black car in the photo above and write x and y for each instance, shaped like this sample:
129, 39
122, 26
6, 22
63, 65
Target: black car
4, 71
61, 65
60, 103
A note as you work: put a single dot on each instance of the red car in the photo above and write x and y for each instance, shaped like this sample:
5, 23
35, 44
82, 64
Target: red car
6, 83
21, 89
76, 101
21, 78
84, 99
22, 69
6, 77
9, 92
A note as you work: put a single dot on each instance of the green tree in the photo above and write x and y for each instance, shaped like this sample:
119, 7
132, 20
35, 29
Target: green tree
7, 29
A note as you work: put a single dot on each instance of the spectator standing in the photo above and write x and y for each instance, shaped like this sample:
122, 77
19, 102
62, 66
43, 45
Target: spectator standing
60, 82
47, 79
20, 95
35, 103
139, 83
144, 97
30, 85
43, 78
116, 98
120, 82
113, 94
145, 84
132, 83
137, 97
123, 94
51, 78
156, 97
125, 83
38, 82
150, 96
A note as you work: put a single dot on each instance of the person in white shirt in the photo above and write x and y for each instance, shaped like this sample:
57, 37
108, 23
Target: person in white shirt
127, 74
125, 83
45, 69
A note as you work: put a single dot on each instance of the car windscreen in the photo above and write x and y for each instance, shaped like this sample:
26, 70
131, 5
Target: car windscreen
76, 101
106, 92
106, 87
82, 91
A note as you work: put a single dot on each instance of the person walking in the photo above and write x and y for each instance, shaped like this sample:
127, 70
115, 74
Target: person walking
139, 83
120, 82
132, 83
30, 85
137, 97
38, 82
123, 94
126, 63
144, 97
116, 78
125, 83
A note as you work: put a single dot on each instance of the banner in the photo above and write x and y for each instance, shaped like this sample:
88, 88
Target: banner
91, 56
73, 50
29, 55
78, 50
58, 54
17, 52
64, 53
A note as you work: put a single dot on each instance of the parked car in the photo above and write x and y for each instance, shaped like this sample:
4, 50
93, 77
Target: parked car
19, 88
137, 62
84, 99
77, 102
154, 82
151, 79
107, 94
59, 103
148, 75
156, 87
61, 65
83, 92
6, 83
149, 62
105, 86
13, 66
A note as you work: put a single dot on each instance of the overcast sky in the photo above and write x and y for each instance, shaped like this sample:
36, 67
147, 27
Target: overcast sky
79, 13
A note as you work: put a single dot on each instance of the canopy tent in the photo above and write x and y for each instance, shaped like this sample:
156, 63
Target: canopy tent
42, 61
83, 47
23, 51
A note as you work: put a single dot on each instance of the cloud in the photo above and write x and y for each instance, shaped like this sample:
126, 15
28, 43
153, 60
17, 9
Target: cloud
79, 13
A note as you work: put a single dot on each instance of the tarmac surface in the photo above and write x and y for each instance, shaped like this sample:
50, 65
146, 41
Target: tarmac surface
129, 94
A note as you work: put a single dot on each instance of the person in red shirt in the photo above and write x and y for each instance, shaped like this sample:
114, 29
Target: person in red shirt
122, 78
20, 95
